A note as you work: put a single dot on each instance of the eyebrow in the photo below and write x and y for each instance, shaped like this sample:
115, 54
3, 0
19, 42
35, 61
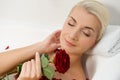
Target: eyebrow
85, 26
73, 19
90, 28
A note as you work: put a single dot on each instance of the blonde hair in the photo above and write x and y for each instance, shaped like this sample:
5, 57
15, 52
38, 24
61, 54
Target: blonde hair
99, 10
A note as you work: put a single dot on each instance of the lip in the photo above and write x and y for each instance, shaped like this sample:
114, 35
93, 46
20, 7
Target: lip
69, 43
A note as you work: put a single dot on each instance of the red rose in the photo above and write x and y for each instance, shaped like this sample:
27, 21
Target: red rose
61, 61
43, 78
16, 76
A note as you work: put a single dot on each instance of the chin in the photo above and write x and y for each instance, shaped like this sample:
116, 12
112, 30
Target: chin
70, 50
67, 49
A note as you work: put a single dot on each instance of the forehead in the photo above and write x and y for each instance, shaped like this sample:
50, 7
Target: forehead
85, 18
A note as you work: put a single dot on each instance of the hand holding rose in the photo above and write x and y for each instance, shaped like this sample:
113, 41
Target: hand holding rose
31, 70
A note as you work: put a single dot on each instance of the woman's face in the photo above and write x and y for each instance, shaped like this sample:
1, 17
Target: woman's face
79, 32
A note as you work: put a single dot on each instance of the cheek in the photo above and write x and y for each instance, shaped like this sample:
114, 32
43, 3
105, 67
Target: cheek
64, 34
90, 44
65, 30
85, 45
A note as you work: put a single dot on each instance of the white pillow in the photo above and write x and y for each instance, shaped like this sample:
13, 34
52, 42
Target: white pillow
109, 45
103, 68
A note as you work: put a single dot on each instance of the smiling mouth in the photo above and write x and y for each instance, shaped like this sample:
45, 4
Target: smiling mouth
69, 43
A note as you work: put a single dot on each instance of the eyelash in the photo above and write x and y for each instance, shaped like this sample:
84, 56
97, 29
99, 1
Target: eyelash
87, 35
70, 24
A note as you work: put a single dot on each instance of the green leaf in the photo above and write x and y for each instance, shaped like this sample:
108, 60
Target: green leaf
44, 61
46, 55
48, 72
19, 67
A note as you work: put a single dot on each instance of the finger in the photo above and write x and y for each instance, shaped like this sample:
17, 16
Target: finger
57, 33
33, 69
57, 40
28, 69
23, 71
57, 36
54, 35
38, 65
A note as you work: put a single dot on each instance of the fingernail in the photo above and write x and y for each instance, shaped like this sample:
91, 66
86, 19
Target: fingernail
37, 53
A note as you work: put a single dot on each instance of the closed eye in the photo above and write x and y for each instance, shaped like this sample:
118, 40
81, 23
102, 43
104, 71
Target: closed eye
86, 34
70, 24
71, 21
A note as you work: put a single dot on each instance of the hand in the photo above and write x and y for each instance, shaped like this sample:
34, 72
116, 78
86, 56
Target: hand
31, 70
52, 42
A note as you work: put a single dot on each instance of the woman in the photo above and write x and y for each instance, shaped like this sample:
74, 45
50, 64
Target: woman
82, 29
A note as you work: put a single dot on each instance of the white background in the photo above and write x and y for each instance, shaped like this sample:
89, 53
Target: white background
49, 12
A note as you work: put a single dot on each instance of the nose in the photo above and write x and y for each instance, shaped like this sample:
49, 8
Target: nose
74, 35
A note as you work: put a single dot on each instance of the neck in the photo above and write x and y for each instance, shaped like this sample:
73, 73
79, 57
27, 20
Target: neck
76, 67
75, 60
